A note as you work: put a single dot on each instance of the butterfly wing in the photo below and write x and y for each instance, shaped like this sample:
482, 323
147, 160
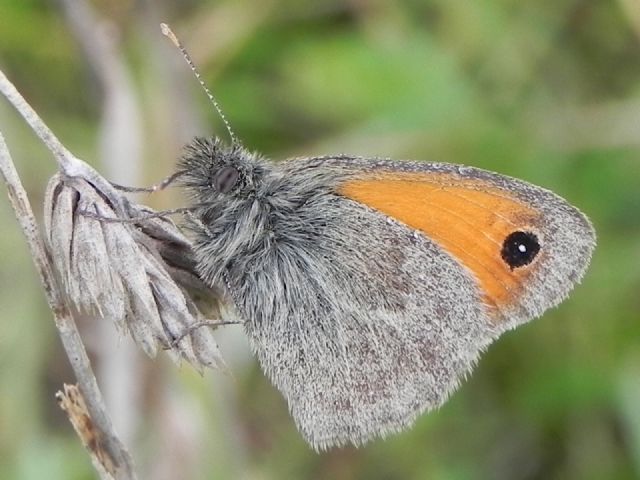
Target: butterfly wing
391, 280
477, 217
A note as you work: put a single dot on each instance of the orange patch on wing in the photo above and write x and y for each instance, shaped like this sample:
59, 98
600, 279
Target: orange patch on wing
469, 218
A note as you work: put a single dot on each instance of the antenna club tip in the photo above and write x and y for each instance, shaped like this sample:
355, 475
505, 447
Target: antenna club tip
167, 32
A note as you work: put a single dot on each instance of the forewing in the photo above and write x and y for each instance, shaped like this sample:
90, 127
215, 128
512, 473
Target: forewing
470, 213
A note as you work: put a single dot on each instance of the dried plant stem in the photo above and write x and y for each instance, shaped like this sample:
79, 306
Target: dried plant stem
63, 156
71, 340
69, 165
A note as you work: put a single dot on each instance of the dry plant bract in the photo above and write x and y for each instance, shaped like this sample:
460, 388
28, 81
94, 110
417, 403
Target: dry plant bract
138, 275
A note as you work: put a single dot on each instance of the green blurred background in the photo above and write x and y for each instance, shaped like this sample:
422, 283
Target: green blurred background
546, 91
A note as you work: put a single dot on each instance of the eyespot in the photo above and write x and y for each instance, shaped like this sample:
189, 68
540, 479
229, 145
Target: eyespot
226, 178
519, 249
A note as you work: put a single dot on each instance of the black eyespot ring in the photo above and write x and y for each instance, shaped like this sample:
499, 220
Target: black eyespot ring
519, 249
226, 178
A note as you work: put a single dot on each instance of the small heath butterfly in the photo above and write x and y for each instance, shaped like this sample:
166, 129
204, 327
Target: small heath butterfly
368, 288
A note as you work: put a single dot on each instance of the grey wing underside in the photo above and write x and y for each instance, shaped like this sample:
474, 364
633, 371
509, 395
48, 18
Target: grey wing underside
369, 327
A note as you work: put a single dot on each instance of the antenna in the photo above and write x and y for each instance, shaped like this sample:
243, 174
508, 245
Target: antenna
167, 32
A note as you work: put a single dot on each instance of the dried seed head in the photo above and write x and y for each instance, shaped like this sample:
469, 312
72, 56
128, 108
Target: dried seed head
139, 275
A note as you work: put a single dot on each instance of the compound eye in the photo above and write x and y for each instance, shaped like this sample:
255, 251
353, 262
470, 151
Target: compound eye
226, 179
519, 249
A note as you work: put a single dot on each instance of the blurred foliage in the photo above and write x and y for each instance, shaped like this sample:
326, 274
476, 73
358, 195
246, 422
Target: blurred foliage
546, 91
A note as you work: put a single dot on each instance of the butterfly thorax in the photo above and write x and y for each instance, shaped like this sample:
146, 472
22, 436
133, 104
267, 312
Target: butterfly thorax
247, 210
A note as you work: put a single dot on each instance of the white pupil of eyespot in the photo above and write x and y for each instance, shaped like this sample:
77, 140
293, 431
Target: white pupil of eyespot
522, 248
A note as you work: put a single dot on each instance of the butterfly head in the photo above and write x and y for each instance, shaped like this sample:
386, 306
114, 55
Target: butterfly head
215, 172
